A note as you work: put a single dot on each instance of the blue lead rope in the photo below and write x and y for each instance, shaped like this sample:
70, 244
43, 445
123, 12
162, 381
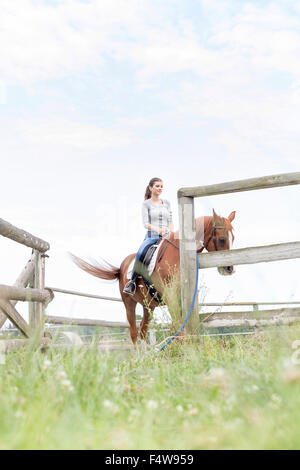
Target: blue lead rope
187, 317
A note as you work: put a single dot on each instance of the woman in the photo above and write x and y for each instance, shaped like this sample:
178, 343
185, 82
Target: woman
157, 219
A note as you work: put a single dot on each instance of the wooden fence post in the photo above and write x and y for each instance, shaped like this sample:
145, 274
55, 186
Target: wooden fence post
31, 306
37, 309
21, 281
188, 260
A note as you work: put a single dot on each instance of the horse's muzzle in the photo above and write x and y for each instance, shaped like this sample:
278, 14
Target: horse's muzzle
226, 270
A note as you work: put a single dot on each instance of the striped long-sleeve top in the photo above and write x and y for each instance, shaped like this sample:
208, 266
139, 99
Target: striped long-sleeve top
158, 215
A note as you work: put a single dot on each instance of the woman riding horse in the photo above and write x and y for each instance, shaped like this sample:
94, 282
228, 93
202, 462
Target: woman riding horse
212, 233
157, 219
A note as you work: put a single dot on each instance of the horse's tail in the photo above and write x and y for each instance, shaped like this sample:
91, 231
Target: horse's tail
105, 270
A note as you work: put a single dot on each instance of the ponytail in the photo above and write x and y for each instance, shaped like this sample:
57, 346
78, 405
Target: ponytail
147, 193
151, 184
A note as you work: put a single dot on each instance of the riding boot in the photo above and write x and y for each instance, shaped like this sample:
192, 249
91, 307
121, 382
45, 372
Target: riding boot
130, 287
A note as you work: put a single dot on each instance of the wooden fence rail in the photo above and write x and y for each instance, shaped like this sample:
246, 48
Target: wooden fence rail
264, 182
13, 315
21, 236
25, 294
259, 314
236, 304
83, 294
57, 320
250, 322
251, 255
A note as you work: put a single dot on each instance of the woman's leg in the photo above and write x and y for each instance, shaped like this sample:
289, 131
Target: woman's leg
130, 287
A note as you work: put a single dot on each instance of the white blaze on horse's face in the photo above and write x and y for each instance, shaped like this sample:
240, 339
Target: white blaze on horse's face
230, 240
227, 270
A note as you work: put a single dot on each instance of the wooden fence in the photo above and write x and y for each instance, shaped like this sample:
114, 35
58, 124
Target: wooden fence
33, 275
30, 287
257, 254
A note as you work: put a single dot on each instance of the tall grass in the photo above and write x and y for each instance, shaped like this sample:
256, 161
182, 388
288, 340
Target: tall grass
242, 392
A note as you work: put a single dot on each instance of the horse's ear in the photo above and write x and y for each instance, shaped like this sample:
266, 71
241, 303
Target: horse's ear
216, 217
231, 216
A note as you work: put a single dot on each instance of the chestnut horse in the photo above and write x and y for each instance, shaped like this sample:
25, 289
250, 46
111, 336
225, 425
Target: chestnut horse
212, 233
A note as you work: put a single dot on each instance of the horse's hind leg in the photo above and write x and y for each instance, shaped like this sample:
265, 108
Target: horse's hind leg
130, 306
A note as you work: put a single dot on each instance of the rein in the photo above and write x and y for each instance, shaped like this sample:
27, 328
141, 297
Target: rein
162, 252
213, 236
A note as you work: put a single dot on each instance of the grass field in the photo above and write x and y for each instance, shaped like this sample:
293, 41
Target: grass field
240, 393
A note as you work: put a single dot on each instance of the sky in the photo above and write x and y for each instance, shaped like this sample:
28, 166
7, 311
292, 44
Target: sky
99, 96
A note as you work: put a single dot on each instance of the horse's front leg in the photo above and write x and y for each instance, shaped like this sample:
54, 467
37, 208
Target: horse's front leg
145, 323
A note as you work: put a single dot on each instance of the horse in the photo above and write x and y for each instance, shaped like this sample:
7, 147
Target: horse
212, 233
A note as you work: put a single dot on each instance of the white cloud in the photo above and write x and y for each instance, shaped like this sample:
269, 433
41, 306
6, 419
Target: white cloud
267, 37
39, 41
2, 93
253, 40
57, 134
64, 133
49, 42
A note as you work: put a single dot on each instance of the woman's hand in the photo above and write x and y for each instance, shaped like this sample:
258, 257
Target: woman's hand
161, 231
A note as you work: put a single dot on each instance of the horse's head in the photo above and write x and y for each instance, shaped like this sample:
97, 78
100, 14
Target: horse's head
219, 236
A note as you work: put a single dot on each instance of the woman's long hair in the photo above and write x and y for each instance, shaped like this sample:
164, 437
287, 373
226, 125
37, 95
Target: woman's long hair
150, 185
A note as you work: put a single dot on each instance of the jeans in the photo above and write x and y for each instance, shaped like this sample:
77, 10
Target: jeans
148, 241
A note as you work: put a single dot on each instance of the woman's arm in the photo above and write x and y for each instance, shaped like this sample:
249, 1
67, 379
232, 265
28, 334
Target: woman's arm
153, 228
